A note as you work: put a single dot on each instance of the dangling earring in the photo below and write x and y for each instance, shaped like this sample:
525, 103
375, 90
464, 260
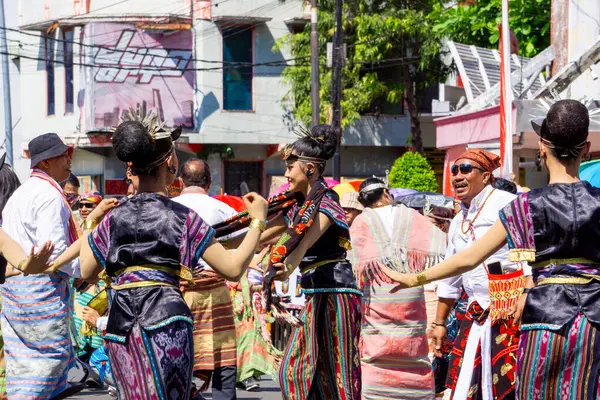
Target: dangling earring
172, 169
538, 161
588, 157
309, 173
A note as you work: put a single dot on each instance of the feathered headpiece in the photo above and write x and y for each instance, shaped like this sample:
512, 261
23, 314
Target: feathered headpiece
303, 132
151, 122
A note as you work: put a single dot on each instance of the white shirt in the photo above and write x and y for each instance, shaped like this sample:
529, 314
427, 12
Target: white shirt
35, 213
210, 210
475, 282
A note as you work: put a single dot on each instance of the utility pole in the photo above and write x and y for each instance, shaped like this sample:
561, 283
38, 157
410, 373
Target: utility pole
314, 61
506, 136
6, 87
336, 86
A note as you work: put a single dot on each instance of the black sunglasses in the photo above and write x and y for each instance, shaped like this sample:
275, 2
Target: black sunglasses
86, 205
463, 168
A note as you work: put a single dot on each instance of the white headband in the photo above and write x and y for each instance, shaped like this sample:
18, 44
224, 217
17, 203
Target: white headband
374, 186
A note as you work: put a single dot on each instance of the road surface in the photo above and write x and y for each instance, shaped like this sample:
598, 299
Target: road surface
269, 391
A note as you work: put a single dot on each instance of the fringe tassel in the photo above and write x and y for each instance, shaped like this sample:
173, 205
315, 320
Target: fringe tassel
402, 260
505, 291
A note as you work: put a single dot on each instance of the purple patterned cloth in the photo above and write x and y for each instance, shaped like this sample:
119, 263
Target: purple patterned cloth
149, 331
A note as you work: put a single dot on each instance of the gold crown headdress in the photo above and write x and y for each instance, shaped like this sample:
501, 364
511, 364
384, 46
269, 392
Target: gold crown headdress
303, 132
151, 122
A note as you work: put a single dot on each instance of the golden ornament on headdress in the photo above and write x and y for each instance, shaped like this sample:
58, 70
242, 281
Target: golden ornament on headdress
151, 122
302, 132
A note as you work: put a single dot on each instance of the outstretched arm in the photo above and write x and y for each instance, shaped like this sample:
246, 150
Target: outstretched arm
232, 264
68, 255
462, 262
90, 268
275, 228
14, 254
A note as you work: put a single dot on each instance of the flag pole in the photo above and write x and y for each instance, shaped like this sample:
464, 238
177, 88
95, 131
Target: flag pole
506, 137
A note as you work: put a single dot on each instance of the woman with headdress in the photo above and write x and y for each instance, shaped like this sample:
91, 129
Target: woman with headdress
322, 357
556, 228
394, 346
142, 249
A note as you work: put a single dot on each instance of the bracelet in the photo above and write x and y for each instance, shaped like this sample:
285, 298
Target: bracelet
422, 279
436, 324
88, 225
20, 265
258, 224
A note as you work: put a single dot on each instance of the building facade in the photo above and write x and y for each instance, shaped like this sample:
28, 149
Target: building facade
209, 65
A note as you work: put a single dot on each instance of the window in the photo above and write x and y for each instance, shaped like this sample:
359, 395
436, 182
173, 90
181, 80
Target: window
49, 57
237, 81
68, 35
239, 172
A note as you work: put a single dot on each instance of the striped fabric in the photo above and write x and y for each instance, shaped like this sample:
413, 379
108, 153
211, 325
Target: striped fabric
2, 364
84, 343
36, 331
214, 326
394, 346
394, 351
322, 360
256, 355
153, 364
562, 364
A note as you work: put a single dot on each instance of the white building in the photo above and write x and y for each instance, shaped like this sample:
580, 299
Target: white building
77, 65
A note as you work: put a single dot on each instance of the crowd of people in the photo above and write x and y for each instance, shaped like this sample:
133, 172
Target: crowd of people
148, 294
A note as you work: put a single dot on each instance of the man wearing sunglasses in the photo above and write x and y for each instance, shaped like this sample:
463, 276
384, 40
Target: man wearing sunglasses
477, 370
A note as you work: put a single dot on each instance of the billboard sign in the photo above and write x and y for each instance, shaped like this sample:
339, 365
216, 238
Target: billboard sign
150, 69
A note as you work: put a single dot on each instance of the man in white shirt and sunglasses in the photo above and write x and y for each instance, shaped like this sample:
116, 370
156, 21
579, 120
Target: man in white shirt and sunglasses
472, 373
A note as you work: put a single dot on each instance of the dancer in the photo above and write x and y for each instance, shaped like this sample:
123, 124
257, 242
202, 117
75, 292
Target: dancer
256, 355
394, 346
556, 228
36, 310
149, 331
322, 357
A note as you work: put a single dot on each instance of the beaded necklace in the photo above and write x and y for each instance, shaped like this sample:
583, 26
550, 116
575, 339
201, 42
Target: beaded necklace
471, 222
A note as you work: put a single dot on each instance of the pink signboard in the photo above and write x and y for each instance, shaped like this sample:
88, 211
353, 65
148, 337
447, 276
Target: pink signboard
151, 69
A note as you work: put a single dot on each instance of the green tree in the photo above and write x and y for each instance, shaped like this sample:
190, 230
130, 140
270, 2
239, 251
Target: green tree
392, 54
412, 171
477, 23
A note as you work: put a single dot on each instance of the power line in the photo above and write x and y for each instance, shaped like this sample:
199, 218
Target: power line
99, 47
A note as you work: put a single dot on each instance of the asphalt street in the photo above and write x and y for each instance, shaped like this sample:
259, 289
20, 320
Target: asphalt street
269, 391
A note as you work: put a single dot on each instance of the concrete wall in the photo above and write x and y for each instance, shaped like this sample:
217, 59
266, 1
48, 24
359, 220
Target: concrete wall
265, 123
32, 102
35, 11
584, 30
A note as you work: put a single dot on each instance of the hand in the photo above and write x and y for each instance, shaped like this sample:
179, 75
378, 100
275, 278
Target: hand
256, 205
37, 262
517, 311
258, 258
104, 207
404, 280
282, 272
438, 335
90, 316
